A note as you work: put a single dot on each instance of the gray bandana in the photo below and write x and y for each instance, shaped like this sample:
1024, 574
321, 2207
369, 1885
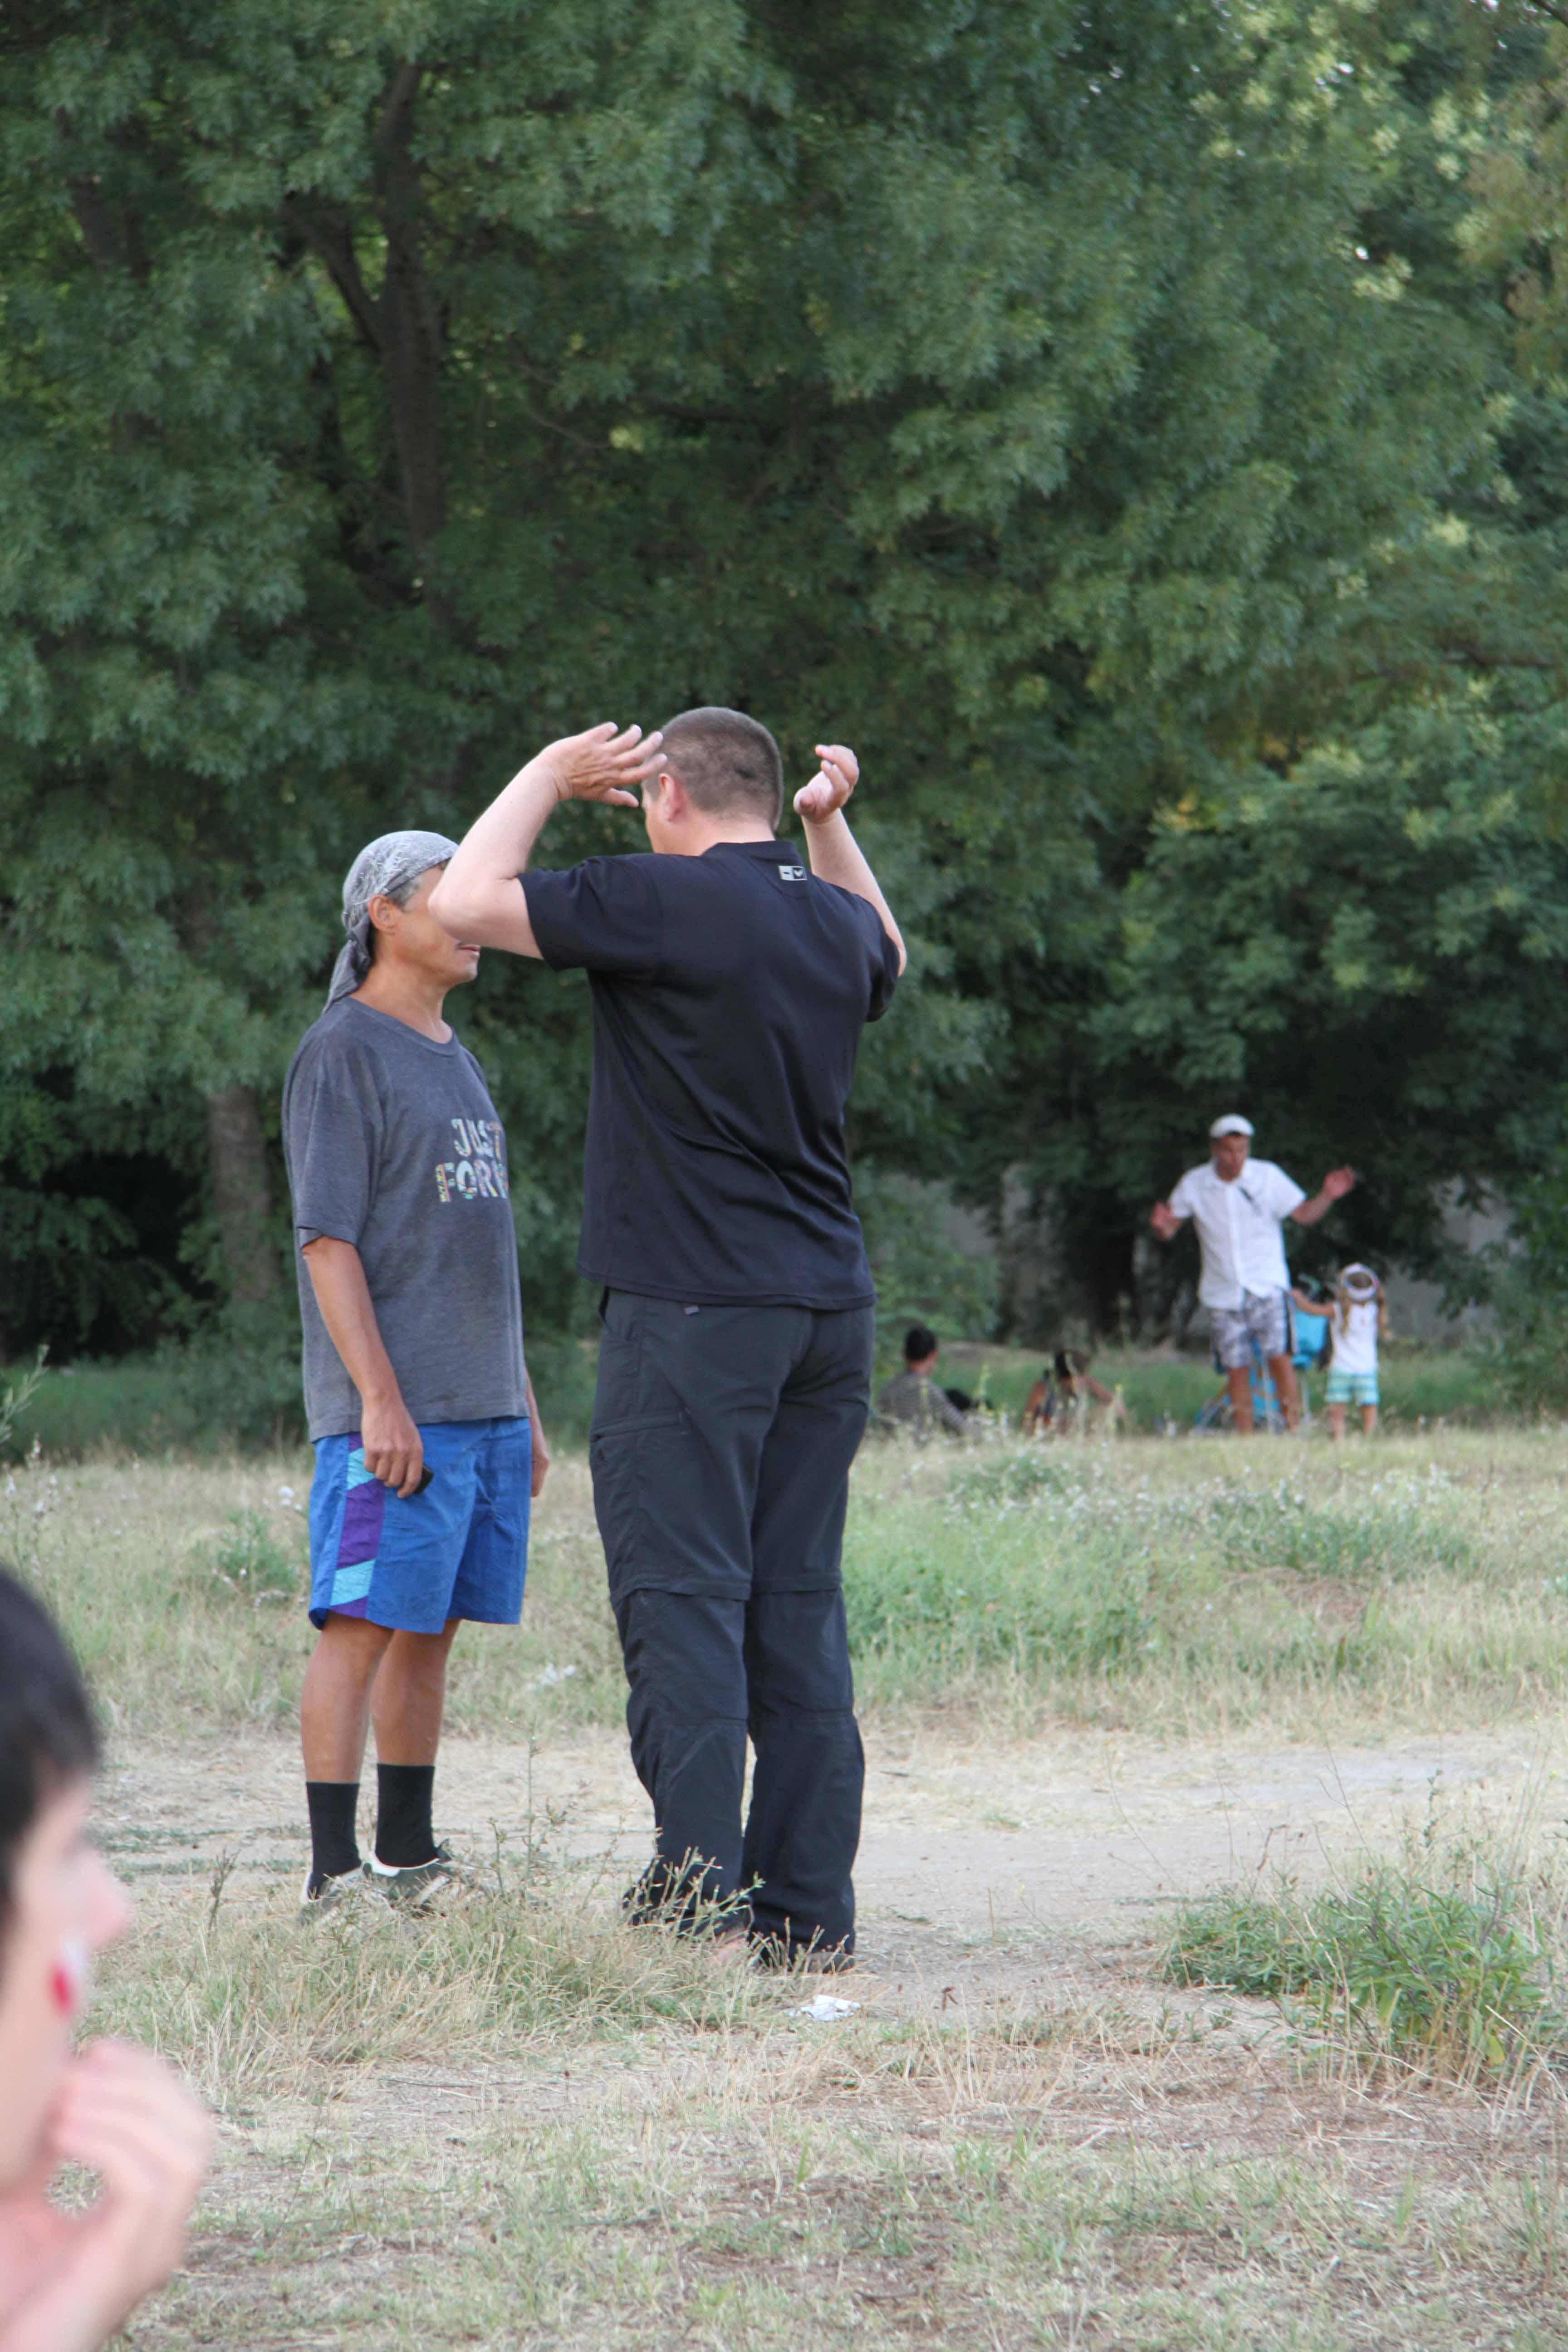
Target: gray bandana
385, 864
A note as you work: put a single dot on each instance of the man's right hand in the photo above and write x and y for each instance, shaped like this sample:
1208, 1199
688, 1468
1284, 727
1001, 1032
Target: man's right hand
394, 1449
1165, 1220
602, 765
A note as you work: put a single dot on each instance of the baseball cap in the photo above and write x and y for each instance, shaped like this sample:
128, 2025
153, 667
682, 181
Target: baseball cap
1231, 1124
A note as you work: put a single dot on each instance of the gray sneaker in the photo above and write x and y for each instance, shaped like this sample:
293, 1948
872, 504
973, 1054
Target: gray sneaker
321, 1893
414, 1882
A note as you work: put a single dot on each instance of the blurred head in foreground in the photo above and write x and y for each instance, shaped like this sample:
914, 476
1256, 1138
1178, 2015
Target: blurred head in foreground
58, 1904
70, 2278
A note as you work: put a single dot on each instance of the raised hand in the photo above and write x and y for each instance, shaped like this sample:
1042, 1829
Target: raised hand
1337, 1183
601, 764
831, 786
1165, 1220
122, 2112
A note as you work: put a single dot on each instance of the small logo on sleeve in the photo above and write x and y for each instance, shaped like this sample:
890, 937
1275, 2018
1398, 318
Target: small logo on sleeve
792, 874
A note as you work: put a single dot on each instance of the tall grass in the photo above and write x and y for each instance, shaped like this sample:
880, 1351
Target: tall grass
1203, 1584
1211, 1582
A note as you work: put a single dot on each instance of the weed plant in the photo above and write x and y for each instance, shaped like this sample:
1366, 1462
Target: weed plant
252, 1561
1449, 1961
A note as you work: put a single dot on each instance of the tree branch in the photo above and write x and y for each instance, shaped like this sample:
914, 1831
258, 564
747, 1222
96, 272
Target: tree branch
412, 336
330, 236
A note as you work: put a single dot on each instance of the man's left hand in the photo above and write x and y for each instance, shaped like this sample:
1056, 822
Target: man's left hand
831, 786
1338, 1182
602, 765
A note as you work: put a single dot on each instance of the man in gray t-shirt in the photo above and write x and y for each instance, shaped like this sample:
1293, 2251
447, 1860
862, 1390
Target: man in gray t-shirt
418, 1401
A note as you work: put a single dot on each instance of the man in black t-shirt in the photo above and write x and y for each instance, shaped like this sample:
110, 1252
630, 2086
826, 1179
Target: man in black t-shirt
729, 986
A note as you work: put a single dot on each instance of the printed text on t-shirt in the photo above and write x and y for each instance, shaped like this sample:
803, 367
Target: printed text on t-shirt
478, 1173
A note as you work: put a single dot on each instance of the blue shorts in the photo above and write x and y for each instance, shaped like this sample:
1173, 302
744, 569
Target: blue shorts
459, 1549
1350, 1387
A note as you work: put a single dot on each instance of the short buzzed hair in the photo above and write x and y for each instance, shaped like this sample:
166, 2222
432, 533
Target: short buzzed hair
728, 762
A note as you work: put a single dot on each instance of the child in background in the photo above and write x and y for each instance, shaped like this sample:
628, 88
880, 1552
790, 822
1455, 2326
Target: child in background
70, 2280
1049, 1403
1357, 1317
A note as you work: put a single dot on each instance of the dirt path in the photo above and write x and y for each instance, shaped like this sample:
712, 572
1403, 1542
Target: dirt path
976, 1869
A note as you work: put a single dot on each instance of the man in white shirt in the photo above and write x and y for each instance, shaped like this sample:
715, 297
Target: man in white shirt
1239, 1204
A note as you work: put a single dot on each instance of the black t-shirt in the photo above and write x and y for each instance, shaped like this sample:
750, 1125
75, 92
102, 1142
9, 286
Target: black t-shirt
729, 991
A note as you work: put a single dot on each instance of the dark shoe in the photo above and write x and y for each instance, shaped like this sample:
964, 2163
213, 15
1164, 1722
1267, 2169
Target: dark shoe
815, 1959
666, 1896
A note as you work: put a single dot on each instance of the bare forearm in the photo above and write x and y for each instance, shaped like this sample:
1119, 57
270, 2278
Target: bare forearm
1312, 1212
343, 1294
836, 857
479, 896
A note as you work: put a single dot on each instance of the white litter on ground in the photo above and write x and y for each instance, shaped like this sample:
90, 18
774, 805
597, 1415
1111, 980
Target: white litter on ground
550, 1677
827, 2010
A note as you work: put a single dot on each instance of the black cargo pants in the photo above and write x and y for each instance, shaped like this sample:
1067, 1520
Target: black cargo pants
721, 1443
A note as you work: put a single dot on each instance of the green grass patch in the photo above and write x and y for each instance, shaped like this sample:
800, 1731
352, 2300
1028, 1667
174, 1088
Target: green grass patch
1109, 1579
1420, 1385
1131, 1582
1444, 1961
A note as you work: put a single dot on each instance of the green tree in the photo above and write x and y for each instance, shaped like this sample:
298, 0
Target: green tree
386, 389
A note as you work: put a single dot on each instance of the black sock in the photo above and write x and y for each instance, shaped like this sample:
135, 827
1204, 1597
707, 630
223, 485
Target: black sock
404, 1793
333, 1847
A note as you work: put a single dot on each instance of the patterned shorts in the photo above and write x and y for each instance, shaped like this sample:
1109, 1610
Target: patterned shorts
1260, 1322
459, 1549
1350, 1387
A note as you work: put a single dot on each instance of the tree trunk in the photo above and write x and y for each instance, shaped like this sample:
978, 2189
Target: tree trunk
402, 325
241, 1193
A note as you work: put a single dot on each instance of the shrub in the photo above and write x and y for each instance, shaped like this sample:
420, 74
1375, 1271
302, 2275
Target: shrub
249, 1557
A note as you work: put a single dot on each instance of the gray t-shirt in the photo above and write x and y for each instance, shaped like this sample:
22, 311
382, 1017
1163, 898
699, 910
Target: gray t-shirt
392, 1143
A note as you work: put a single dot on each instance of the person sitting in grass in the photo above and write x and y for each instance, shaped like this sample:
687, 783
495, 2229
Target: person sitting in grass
1357, 1317
69, 2279
1066, 1384
417, 1398
911, 1400
1238, 1205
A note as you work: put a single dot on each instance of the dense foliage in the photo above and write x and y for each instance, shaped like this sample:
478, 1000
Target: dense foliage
1139, 429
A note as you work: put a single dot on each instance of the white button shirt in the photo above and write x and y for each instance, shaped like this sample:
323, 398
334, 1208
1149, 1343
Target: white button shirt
1238, 1229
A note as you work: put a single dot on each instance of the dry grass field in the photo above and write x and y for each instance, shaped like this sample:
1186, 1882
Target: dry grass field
1212, 1988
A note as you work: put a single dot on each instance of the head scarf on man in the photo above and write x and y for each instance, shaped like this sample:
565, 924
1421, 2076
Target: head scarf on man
383, 868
